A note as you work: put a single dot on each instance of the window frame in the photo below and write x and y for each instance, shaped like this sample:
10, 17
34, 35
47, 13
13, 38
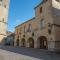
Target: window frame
42, 24
41, 9
25, 29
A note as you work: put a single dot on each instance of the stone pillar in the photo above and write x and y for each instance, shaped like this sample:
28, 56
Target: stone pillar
51, 45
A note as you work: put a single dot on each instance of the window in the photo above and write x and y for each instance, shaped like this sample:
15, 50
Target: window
40, 9
33, 34
42, 24
16, 31
23, 35
5, 6
24, 29
49, 28
29, 28
20, 30
49, 31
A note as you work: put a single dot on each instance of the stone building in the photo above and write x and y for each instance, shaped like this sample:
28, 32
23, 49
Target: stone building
9, 40
4, 8
42, 31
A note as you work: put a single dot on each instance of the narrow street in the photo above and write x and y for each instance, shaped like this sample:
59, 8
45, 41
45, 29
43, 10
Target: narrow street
6, 55
16, 53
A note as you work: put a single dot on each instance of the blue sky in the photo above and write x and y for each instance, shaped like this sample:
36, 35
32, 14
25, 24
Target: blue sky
20, 11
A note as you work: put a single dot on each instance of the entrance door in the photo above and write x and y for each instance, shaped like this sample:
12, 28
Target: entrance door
23, 43
43, 42
17, 42
31, 42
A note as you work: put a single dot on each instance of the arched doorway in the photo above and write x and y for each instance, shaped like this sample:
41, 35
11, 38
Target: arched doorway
17, 42
23, 43
42, 42
31, 42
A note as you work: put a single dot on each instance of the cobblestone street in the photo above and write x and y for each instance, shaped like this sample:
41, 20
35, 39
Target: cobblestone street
6, 55
16, 53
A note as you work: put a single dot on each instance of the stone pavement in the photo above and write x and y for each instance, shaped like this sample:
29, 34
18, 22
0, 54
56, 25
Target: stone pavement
6, 55
18, 53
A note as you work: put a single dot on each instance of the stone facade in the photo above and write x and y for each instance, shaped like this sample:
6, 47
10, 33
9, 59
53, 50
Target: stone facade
4, 7
42, 31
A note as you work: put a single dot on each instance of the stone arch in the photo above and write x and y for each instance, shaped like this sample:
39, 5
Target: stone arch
42, 42
17, 42
31, 42
23, 42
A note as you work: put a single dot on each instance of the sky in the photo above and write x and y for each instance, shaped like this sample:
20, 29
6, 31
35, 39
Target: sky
20, 11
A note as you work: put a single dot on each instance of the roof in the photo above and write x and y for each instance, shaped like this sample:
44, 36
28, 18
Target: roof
26, 22
39, 4
9, 32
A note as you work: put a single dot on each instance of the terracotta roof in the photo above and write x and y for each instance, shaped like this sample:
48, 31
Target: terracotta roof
26, 22
39, 4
